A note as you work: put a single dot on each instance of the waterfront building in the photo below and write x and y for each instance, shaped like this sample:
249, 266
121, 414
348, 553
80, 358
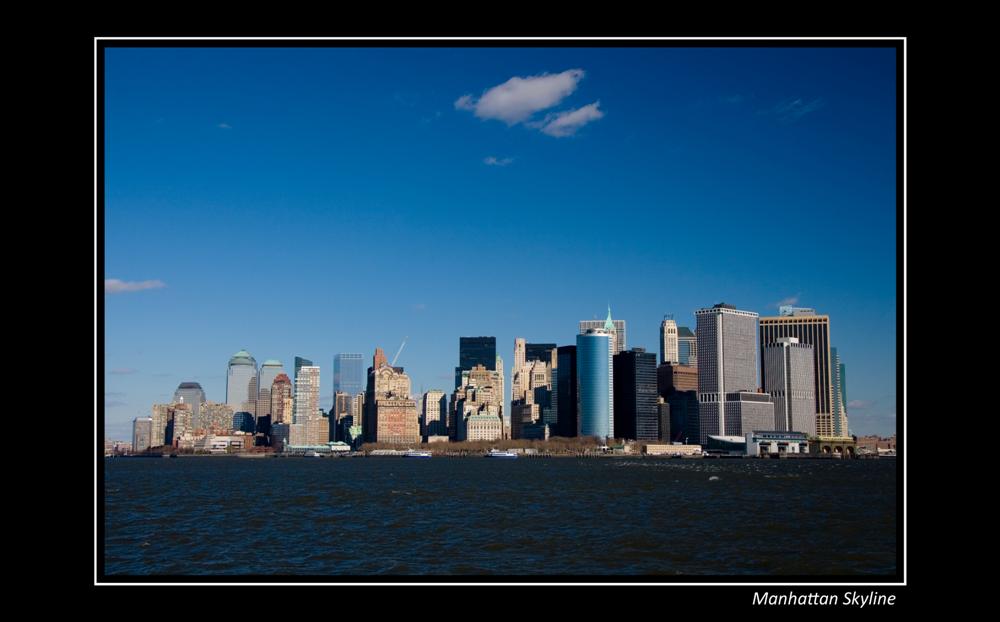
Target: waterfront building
684, 421
306, 404
348, 373
282, 402
636, 416
244, 421
161, 417
669, 351
481, 395
790, 380
766, 443
595, 387
342, 405
434, 414
317, 431
687, 347
813, 329
671, 377
474, 351
839, 379
728, 403
216, 417
279, 436
142, 434
269, 370
531, 391
663, 414
191, 393
616, 327
564, 395
241, 383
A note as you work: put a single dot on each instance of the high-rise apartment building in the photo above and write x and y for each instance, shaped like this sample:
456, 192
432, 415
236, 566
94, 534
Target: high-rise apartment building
595, 387
434, 414
282, 399
306, 394
728, 402
635, 398
142, 433
299, 364
241, 382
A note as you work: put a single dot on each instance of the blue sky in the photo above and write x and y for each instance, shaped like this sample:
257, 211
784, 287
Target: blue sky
315, 201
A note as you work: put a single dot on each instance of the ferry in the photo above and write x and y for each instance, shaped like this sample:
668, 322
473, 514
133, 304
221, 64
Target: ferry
417, 454
494, 453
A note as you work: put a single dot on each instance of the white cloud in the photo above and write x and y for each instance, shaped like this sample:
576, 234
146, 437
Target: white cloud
791, 300
122, 371
795, 109
859, 404
225, 126
518, 98
494, 161
115, 286
568, 122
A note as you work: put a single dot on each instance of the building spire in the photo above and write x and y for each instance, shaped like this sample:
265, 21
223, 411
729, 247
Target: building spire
608, 324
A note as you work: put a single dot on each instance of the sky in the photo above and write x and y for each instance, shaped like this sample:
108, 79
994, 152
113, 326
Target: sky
305, 202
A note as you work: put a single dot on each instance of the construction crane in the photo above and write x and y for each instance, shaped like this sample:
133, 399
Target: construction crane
401, 346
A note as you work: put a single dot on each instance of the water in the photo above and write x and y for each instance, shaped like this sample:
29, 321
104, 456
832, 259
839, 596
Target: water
399, 516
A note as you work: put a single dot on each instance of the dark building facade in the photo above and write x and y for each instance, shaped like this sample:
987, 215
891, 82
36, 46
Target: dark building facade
684, 417
635, 396
299, 364
564, 393
539, 352
671, 377
474, 351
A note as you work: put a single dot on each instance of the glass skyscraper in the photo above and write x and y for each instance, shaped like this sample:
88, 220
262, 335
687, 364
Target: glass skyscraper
595, 388
564, 394
636, 410
474, 351
191, 393
241, 383
299, 364
687, 346
269, 370
348, 374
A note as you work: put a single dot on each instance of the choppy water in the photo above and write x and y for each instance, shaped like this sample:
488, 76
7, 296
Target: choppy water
399, 516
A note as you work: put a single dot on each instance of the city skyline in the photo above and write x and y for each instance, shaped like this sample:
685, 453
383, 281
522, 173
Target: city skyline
811, 151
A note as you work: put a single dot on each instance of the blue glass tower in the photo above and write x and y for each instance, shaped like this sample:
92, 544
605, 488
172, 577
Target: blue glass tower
594, 383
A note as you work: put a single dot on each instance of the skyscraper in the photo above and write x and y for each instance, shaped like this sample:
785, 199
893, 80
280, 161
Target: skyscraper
191, 393
299, 364
616, 327
544, 352
595, 386
668, 341
808, 327
392, 415
840, 427
269, 370
728, 403
531, 391
474, 351
306, 394
564, 394
241, 383
281, 390
348, 374
142, 433
687, 347
635, 397
790, 379
478, 406
434, 414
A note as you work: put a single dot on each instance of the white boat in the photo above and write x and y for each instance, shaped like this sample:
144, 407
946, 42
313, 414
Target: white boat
496, 453
312, 454
417, 454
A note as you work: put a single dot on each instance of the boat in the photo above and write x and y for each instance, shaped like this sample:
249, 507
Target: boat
312, 454
496, 453
417, 454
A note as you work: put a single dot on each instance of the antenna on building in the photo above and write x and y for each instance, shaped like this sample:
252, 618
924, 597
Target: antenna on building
401, 346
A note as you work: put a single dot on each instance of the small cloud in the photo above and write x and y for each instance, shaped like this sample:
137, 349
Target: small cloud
860, 404
225, 126
122, 371
517, 99
115, 286
567, 123
791, 300
494, 161
113, 394
794, 109
419, 306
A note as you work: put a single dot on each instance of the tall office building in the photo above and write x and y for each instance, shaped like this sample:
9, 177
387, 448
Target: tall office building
191, 393
808, 327
269, 370
545, 352
669, 345
564, 394
281, 398
434, 414
391, 415
142, 433
635, 398
617, 328
241, 383
728, 402
299, 364
790, 379
839, 395
306, 394
671, 377
531, 391
474, 351
595, 387
687, 347
477, 406
348, 374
